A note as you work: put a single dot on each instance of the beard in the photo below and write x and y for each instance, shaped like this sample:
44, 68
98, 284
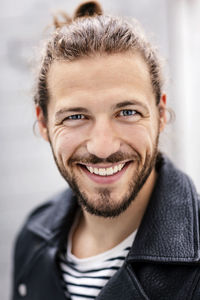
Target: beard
103, 204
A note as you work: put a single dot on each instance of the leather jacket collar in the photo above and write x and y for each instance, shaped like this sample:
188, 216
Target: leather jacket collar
169, 231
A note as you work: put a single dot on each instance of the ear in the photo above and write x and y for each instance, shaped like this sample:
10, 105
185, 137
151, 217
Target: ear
42, 123
162, 112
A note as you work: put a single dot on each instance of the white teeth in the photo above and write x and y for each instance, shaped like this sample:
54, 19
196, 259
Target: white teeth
102, 172
115, 169
90, 169
95, 170
105, 171
120, 167
109, 171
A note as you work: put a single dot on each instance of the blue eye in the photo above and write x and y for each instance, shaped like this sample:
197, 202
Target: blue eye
127, 112
75, 117
74, 120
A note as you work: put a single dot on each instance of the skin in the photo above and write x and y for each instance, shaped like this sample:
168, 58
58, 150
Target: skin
89, 116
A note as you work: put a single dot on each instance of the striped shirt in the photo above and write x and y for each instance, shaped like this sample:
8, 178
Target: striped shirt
84, 278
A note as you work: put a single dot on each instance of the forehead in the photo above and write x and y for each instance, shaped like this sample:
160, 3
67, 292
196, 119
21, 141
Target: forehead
106, 74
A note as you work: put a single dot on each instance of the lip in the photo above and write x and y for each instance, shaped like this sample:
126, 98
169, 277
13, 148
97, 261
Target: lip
105, 179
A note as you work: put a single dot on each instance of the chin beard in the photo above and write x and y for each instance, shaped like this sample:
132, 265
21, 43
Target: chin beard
103, 204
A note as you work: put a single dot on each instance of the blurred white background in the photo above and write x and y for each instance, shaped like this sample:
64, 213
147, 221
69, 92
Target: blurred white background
28, 174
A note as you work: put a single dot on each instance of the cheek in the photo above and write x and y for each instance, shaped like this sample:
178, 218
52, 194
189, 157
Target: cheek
65, 143
141, 138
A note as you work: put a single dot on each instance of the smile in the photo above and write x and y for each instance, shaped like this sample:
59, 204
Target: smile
105, 171
105, 174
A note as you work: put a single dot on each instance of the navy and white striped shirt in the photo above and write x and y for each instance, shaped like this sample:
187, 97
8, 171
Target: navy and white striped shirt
84, 278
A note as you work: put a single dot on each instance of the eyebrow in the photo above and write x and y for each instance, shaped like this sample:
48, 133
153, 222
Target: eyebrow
128, 103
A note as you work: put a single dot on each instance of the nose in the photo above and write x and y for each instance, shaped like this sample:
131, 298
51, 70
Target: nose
103, 139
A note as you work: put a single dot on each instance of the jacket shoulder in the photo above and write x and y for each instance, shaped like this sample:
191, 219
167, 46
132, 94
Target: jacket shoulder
44, 219
38, 229
37, 217
26, 240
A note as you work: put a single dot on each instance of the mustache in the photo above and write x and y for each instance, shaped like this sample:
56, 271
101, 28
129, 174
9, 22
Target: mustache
113, 158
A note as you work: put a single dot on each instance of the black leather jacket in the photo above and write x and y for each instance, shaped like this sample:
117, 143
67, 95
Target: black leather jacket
164, 262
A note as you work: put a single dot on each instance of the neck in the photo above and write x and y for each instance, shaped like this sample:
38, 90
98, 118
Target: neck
101, 234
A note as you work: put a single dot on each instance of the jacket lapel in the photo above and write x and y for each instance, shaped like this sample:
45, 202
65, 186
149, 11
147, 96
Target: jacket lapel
61, 211
123, 285
169, 231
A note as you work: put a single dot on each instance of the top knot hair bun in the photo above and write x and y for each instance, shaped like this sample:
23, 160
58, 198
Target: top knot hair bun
88, 9
85, 9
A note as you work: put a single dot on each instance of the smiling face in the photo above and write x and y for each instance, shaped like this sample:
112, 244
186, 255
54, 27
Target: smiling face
103, 127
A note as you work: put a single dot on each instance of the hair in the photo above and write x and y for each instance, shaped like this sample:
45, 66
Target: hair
88, 33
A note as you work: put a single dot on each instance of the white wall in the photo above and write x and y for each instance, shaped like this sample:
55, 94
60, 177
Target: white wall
184, 61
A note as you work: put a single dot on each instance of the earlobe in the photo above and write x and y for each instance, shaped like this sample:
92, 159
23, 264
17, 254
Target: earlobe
162, 112
42, 123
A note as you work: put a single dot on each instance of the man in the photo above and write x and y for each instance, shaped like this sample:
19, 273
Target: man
128, 227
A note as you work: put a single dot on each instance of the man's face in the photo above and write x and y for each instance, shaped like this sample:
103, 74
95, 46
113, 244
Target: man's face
103, 127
